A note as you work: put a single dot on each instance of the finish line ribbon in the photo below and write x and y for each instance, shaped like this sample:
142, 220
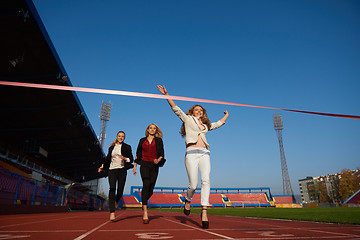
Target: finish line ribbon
159, 96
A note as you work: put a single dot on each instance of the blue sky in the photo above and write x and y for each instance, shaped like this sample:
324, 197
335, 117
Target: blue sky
290, 54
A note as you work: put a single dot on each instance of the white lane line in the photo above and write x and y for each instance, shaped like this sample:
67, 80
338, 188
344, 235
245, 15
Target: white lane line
42, 231
206, 231
177, 229
94, 229
294, 228
57, 219
281, 238
144, 230
21, 216
91, 231
345, 234
13, 236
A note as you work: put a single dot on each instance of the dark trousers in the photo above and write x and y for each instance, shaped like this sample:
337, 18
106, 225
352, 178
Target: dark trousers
149, 173
116, 175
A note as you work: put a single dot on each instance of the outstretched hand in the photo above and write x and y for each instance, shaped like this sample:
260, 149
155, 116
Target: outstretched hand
223, 119
162, 89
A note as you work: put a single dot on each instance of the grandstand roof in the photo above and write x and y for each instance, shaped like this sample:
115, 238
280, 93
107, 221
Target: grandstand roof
50, 125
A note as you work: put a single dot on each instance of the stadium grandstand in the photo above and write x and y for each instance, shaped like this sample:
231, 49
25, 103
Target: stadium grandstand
219, 197
285, 201
49, 152
354, 200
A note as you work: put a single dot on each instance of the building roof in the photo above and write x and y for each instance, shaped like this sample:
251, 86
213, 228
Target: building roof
50, 125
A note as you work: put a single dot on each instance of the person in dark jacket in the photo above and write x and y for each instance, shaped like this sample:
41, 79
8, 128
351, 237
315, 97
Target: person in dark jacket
118, 160
150, 156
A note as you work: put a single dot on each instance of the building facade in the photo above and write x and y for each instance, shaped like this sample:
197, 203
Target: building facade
322, 188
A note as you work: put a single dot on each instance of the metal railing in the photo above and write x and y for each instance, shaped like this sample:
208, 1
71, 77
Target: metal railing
244, 204
20, 189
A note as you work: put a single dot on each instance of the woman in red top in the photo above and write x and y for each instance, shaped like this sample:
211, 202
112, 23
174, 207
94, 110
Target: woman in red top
150, 156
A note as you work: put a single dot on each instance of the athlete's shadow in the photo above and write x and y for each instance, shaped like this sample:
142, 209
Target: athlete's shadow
127, 218
137, 216
154, 217
185, 220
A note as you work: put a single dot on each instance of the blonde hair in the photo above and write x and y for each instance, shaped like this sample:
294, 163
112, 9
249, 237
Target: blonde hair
116, 141
204, 119
158, 132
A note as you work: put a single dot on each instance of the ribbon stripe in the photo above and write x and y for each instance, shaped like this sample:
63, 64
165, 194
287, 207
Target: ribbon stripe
159, 96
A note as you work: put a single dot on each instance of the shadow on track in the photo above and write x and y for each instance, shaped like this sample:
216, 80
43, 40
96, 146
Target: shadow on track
186, 220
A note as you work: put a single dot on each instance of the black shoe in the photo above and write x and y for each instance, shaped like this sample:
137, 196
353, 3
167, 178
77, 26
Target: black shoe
186, 212
205, 224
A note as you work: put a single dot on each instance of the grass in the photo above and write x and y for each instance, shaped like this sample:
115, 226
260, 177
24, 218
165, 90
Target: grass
343, 215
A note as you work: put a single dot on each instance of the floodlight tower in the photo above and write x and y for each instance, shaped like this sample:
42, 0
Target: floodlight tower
278, 125
104, 118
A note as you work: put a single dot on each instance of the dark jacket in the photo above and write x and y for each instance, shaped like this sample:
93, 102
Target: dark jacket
125, 151
159, 151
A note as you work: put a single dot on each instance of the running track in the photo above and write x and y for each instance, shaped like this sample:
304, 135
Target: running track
163, 225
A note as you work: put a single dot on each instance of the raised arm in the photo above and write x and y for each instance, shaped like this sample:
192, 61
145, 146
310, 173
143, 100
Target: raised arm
221, 122
223, 119
162, 89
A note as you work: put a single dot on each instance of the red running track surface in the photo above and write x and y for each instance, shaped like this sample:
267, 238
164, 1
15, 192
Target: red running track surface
163, 225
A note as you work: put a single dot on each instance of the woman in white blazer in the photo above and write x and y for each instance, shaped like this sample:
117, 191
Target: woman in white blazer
195, 126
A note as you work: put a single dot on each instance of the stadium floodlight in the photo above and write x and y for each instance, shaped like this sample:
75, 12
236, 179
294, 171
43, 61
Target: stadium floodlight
278, 125
104, 118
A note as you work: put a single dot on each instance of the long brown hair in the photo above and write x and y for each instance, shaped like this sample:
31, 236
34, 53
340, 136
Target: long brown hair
204, 119
116, 141
158, 132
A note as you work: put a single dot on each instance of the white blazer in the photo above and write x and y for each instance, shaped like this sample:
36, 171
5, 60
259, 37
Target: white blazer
193, 128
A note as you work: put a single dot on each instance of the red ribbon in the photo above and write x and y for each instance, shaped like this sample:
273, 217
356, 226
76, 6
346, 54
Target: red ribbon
150, 95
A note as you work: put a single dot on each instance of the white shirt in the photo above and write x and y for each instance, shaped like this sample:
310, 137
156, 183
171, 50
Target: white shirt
116, 161
193, 128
